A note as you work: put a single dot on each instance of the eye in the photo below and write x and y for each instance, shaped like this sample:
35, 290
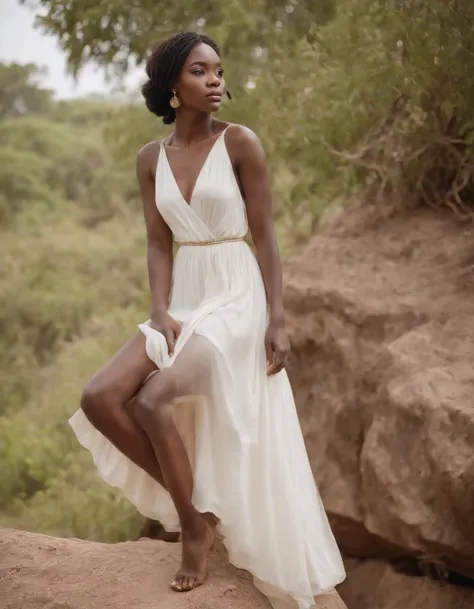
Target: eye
197, 71
220, 72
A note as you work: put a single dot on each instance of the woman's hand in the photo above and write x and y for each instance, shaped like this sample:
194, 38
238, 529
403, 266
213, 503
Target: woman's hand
168, 326
277, 347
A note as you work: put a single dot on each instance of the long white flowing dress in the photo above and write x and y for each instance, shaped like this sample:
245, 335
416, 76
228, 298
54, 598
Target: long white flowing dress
239, 426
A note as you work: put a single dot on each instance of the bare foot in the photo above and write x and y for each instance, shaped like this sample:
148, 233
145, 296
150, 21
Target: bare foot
196, 544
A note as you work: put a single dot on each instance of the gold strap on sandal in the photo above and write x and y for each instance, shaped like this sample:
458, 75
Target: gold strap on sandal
213, 242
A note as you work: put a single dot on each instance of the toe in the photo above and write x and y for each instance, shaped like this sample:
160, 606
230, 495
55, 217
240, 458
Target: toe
176, 585
189, 584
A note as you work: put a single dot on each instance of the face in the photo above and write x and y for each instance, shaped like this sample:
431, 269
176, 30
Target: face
201, 83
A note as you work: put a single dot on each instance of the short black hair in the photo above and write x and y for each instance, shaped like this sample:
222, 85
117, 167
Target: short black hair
163, 68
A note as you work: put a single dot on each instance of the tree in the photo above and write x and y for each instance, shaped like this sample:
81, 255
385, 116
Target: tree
20, 93
111, 32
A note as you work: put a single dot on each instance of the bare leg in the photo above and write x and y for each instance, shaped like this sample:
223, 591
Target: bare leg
154, 411
106, 396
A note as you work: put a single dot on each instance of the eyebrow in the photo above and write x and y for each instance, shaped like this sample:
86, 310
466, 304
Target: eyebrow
202, 63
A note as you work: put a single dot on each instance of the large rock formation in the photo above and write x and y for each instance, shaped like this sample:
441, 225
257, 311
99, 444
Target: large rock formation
376, 585
39, 571
43, 572
381, 320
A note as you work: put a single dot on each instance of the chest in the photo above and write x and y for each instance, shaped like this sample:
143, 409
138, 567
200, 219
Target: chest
187, 167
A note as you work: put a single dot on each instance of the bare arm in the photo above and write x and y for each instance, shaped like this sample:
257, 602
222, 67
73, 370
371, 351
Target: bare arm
159, 247
252, 170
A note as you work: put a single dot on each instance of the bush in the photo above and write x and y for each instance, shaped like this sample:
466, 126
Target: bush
23, 182
70, 296
48, 483
69, 159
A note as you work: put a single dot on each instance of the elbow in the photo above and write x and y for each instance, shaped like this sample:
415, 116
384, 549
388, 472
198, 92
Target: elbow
160, 249
263, 235
159, 258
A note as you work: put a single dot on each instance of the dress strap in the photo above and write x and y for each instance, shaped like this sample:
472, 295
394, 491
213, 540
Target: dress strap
224, 131
159, 160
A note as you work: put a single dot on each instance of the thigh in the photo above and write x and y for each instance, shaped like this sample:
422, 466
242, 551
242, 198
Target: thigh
190, 374
124, 374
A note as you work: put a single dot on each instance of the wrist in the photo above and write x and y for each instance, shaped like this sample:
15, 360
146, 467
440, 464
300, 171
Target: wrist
157, 313
277, 318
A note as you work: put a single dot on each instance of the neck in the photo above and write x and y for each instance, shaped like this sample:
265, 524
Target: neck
191, 128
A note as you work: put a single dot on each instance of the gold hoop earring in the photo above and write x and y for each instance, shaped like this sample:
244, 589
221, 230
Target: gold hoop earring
175, 102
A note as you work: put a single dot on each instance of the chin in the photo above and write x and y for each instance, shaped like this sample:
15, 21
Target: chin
214, 105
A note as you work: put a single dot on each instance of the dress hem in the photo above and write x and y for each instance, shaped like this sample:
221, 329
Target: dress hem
85, 433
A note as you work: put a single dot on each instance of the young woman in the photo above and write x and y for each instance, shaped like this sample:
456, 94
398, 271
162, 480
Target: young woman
194, 418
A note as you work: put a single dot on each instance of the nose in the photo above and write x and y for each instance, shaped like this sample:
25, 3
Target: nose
213, 80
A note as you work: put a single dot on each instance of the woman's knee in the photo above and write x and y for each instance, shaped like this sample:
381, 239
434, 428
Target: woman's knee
153, 404
95, 401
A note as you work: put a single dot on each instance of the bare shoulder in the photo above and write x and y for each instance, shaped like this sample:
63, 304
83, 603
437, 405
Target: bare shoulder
243, 143
147, 157
240, 134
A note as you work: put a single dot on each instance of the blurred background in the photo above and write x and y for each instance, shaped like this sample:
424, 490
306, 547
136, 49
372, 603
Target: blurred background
351, 98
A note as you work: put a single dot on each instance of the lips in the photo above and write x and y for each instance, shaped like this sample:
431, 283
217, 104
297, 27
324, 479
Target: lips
214, 96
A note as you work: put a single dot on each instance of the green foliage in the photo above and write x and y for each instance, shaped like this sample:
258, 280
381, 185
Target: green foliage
73, 286
47, 481
408, 95
112, 31
40, 154
23, 177
19, 94
88, 115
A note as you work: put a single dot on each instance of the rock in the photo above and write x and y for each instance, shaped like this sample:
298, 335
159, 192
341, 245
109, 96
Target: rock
376, 585
381, 321
40, 571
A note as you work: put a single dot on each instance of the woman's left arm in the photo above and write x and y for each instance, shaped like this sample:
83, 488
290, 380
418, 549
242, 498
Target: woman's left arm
251, 168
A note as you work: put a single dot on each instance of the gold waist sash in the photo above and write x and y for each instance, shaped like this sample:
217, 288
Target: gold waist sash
212, 242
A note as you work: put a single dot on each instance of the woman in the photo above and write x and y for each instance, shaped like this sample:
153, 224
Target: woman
194, 418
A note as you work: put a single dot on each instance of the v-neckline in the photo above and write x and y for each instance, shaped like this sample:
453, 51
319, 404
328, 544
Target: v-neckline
206, 160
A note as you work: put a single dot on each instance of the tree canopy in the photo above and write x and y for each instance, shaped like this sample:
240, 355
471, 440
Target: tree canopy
19, 93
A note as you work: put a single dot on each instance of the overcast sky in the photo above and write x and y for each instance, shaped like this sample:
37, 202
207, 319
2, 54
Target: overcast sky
21, 42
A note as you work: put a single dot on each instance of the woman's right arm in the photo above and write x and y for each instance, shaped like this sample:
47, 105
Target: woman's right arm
159, 249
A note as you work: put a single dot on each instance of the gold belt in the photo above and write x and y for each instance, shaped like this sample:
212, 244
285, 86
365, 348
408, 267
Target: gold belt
213, 242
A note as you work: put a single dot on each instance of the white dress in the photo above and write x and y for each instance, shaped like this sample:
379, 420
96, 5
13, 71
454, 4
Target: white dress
239, 426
